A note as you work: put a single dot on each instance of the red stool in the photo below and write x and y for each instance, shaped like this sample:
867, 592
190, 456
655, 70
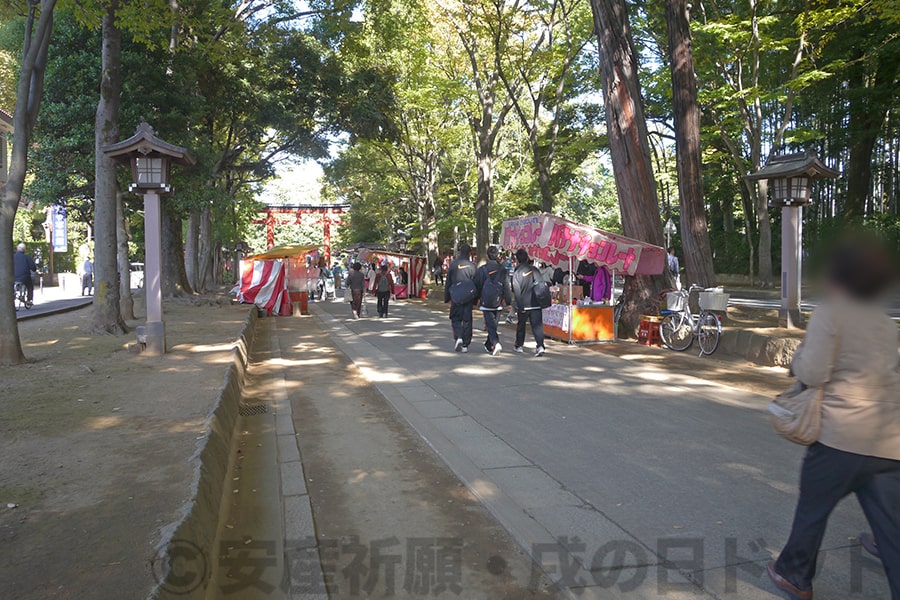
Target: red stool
648, 330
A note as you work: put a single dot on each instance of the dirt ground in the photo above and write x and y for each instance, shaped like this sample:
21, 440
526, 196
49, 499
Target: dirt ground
95, 443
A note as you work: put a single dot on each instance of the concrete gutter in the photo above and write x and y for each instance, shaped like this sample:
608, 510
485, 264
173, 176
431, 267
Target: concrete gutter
191, 537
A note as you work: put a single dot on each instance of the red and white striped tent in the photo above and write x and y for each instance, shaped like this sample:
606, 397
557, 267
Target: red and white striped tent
268, 279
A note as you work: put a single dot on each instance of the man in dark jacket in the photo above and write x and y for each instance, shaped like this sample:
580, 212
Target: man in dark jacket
495, 276
461, 269
24, 269
527, 305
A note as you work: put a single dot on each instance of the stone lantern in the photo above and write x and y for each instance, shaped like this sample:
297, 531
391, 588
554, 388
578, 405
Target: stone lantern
150, 159
790, 179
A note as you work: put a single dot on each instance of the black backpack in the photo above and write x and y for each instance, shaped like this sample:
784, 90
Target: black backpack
542, 293
463, 292
492, 291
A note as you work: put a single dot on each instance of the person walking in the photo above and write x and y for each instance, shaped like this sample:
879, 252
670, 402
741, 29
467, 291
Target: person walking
461, 293
87, 277
356, 282
528, 308
492, 284
438, 269
337, 272
673, 266
384, 289
24, 270
850, 352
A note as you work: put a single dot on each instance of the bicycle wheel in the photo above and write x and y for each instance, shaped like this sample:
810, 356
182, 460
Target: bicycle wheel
676, 333
709, 333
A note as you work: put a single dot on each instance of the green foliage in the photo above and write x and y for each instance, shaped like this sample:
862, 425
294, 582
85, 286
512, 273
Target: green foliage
592, 198
382, 91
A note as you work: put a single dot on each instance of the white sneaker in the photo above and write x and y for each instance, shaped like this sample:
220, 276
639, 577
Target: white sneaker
497, 349
465, 349
520, 350
458, 345
539, 351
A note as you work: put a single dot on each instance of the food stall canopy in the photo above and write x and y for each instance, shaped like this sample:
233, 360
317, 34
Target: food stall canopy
288, 251
416, 267
555, 240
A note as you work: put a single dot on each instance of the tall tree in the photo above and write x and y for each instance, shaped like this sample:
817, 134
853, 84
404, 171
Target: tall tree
629, 148
107, 318
482, 29
30, 89
694, 228
539, 70
751, 72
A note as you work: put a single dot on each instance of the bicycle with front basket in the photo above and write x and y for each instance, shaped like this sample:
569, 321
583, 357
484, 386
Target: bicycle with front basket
680, 326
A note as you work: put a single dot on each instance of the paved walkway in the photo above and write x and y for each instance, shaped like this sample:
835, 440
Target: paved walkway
52, 300
621, 479
369, 511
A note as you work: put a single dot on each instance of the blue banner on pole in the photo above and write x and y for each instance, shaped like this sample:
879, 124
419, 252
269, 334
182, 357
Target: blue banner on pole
60, 235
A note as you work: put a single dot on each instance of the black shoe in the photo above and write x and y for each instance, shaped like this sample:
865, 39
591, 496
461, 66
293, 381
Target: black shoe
786, 586
487, 348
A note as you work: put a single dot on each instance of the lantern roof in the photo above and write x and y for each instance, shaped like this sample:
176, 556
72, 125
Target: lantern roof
791, 165
145, 143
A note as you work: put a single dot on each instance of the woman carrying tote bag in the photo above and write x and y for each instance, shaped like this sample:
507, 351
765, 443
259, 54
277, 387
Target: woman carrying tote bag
850, 351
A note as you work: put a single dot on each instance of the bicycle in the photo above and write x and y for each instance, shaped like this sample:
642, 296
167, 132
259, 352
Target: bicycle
679, 326
21, 295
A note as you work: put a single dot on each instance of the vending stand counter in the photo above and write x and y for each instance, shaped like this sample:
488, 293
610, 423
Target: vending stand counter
564, 244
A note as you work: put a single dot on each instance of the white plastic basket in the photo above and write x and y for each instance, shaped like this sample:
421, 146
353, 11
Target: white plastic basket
714, 301
675, 301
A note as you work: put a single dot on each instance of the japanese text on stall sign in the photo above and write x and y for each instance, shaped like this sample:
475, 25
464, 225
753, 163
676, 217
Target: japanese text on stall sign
553, 240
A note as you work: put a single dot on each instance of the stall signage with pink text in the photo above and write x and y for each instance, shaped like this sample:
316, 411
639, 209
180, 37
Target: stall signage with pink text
554, 240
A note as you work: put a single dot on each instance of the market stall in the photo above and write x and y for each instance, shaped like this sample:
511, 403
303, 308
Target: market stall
413, 265
565, 245
279, 277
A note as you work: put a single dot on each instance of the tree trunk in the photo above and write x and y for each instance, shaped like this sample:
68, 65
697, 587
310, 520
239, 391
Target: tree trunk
543, 177
694, 227
28, 100
764, 258
205, 251
629, 149
728, 214
866, 119
126, 301
219, 266
107, 318
428, 212
192, 247
485, 194
747, 195
174, 279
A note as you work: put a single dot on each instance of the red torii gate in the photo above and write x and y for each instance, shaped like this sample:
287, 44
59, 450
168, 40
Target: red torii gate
327, 211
